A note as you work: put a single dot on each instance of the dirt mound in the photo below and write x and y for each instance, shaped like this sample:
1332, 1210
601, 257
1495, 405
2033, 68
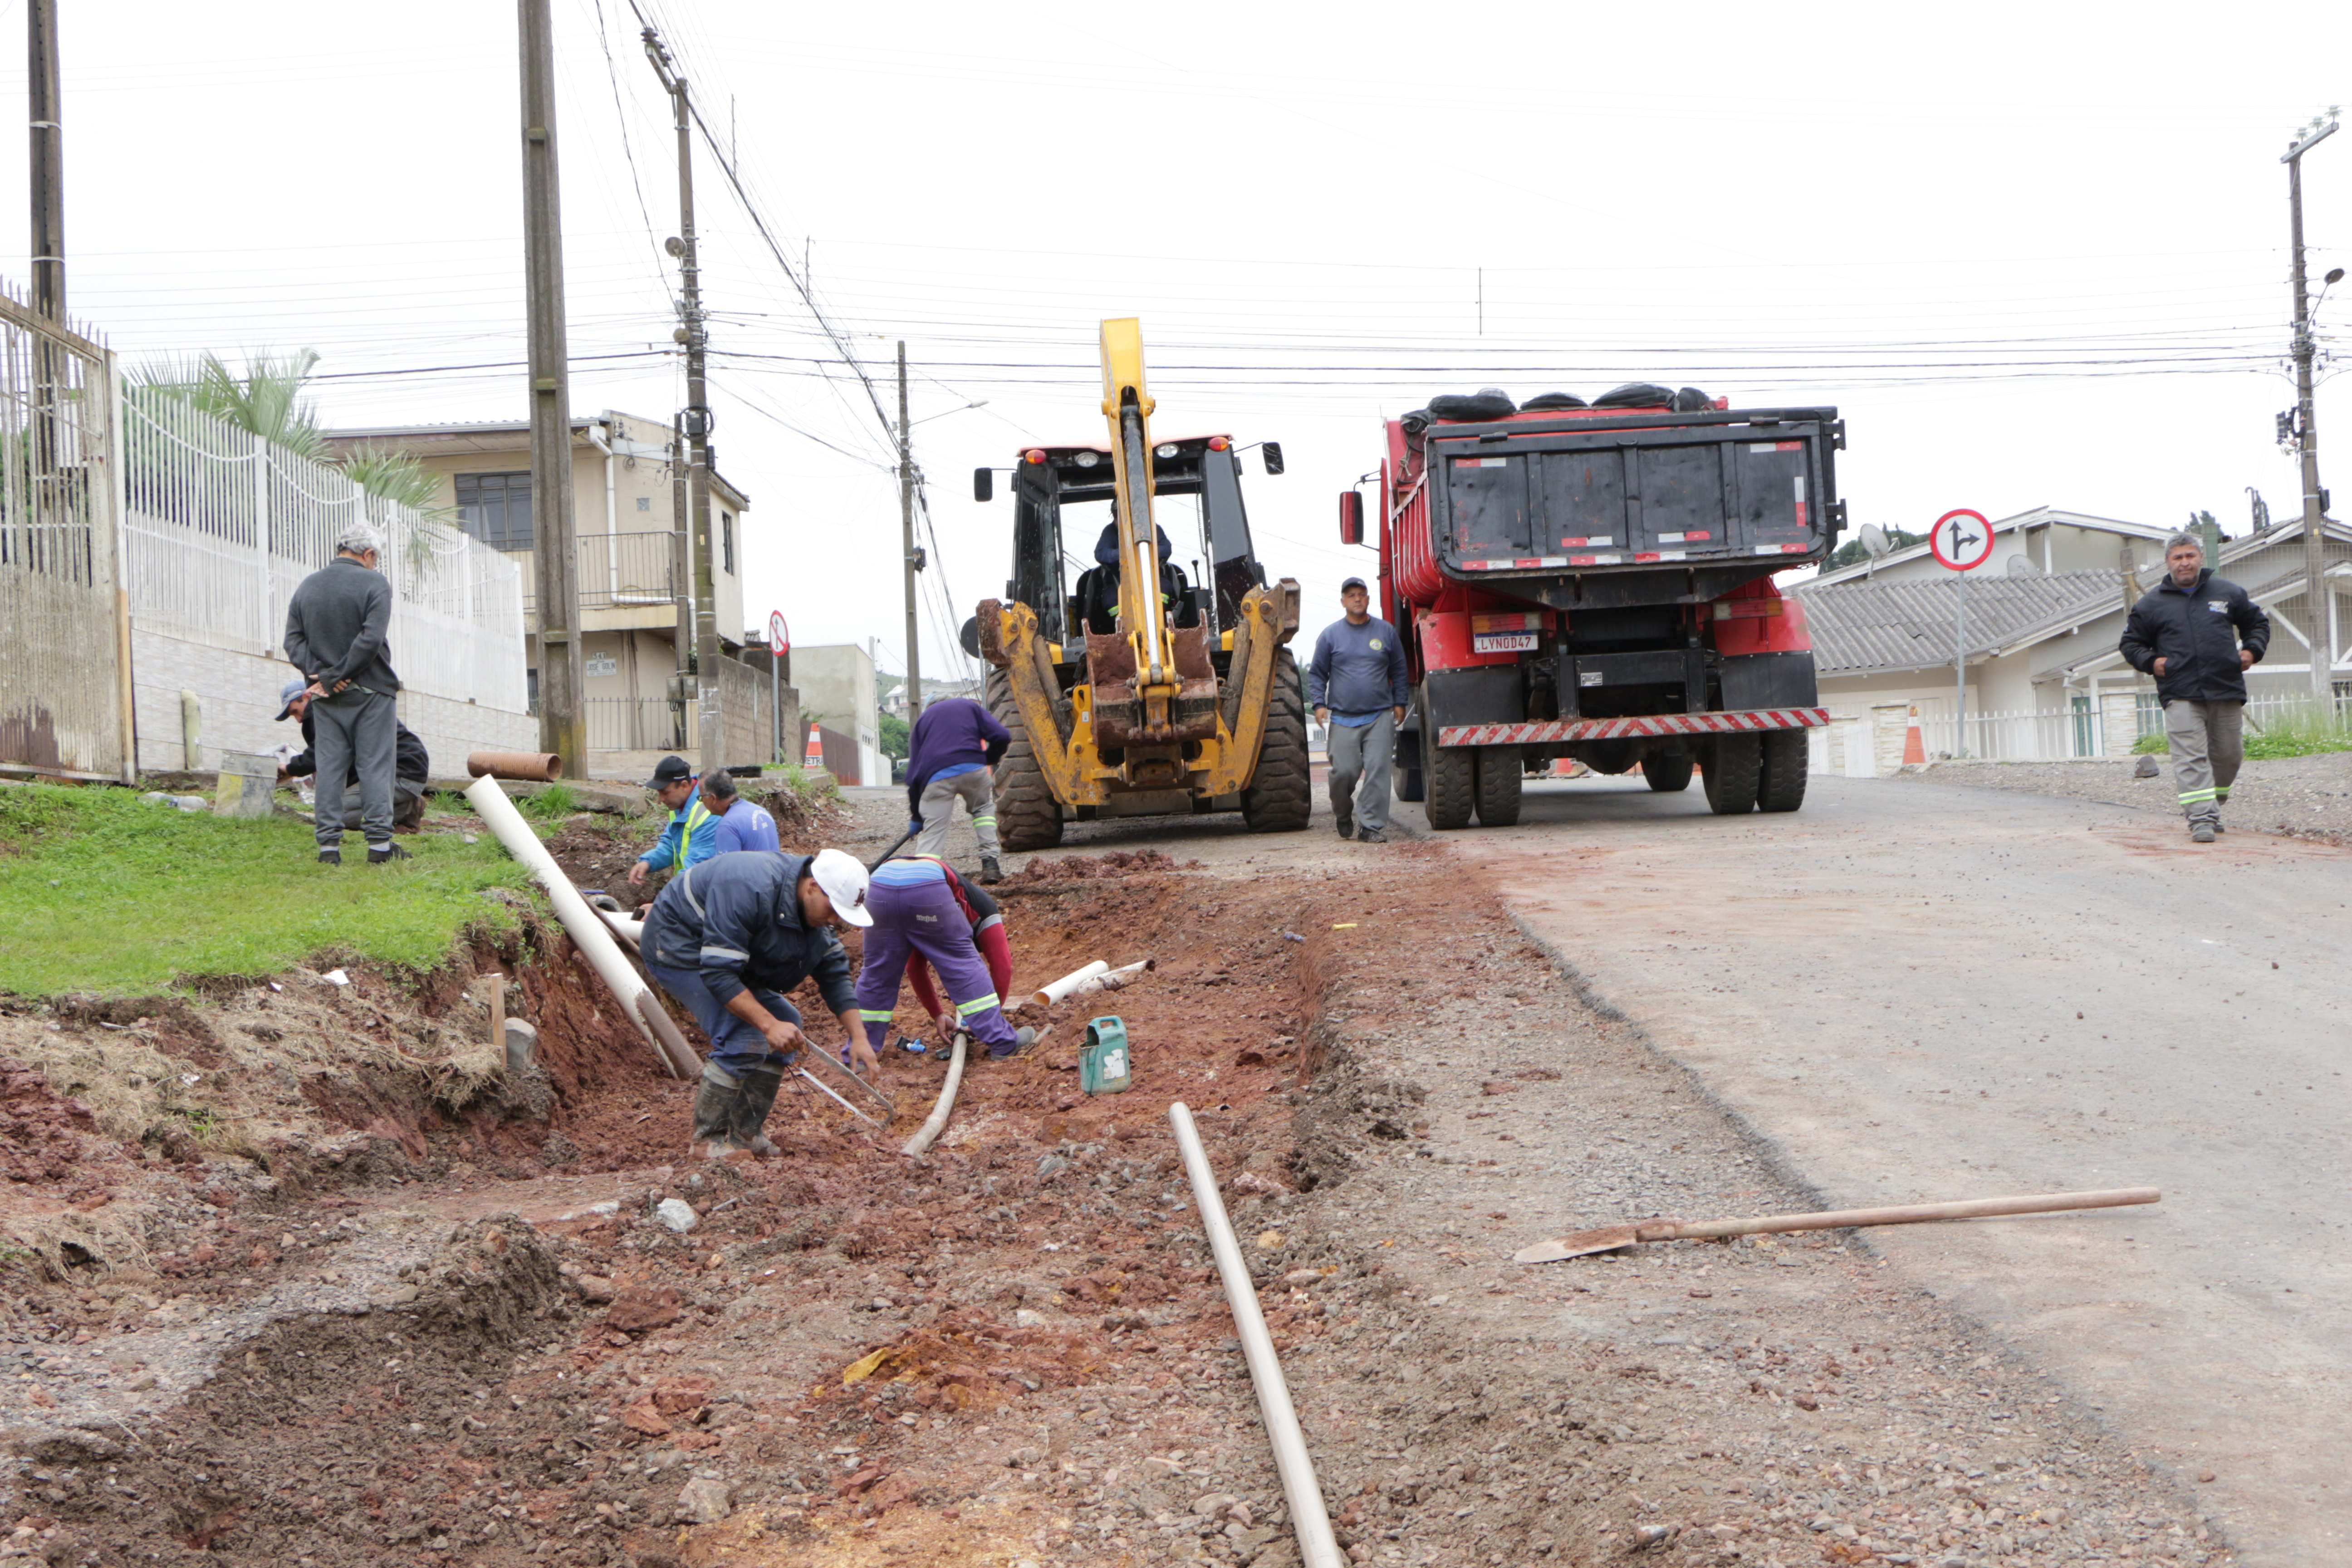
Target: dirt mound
38, 1127
1079, 867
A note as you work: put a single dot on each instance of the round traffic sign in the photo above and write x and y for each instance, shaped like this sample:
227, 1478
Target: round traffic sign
780, 639
1961, 540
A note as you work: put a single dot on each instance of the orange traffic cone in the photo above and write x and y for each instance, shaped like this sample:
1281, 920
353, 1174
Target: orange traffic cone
814, 756
1914, 749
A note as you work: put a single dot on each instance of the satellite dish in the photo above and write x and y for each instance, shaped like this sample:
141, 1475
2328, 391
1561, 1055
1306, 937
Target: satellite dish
2021, 565
1873, 540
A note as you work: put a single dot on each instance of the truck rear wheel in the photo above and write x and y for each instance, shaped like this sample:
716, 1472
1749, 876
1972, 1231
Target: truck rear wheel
1411, 786
1280, 795
1027, 815
1453, 779
1667, 774
1500, 771
1782, 785
1734, 765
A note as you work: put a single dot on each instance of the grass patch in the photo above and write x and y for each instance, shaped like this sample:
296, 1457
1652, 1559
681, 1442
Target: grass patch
99, 891
550, 803
2295, 732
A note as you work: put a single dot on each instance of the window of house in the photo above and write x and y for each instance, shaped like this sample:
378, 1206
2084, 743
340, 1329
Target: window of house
495, 509
2147, 709
727, 541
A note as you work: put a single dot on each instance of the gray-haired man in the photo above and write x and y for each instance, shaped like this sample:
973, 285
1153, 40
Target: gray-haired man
335, 630
2198, 634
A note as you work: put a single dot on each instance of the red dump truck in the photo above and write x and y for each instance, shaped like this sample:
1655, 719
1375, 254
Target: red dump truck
1595, 582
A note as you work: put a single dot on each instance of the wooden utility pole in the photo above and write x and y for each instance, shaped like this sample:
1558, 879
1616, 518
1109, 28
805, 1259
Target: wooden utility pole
907, 558
2314, 559
562, 716
708, 713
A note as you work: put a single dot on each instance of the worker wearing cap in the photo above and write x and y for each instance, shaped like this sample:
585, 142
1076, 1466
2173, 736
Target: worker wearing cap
916, 910
411, 766
729, 938
1357, 685
736, 822
692, 836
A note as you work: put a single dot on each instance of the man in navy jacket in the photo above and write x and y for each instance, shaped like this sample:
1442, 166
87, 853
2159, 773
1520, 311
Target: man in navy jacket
950, 756
1356, 684
2199, 635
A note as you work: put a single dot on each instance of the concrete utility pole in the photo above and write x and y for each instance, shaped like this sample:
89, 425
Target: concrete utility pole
2316, 587
906, 545
48, 182
562, 716
709, 718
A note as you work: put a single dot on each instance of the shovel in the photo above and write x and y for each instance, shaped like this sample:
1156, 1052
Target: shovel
1612, 1238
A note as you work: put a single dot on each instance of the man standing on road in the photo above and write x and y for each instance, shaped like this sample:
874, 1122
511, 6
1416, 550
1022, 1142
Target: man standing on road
2199, 635
410, 769
335, 630
737, 824
692, 836
728, 938
951, 756
1356, 684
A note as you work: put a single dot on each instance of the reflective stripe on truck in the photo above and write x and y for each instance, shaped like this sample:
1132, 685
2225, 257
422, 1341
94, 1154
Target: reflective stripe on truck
1748, 720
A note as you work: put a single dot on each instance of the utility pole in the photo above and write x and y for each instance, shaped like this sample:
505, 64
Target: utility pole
48, 182
708, 718
2315, 586
562, 717
907, 559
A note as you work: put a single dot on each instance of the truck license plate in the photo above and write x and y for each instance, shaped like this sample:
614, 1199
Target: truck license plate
1503, 642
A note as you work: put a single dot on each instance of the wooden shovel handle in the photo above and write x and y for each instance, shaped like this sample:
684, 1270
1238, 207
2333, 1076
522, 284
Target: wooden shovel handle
1909, 1213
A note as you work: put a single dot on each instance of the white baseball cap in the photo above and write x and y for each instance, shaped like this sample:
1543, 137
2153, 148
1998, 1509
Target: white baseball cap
844, 881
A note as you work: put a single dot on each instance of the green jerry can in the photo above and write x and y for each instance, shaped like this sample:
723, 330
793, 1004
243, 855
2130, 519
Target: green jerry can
1102, 1061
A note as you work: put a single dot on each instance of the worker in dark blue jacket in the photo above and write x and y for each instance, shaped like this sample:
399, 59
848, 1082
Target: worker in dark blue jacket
2198, 634
1356, 684
951, 756
728, 938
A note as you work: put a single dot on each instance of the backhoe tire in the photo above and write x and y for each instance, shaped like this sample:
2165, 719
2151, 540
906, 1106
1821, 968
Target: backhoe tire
1500, 773
1280, 795
1782, 785
1735, 765
1027, 815
1667, 775
1453, 779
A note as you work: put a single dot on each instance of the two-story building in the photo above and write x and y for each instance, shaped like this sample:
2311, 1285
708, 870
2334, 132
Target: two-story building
636, 580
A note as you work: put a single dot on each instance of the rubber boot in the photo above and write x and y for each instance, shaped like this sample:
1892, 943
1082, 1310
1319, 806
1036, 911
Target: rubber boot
990, 872
715, 1102
753, 1100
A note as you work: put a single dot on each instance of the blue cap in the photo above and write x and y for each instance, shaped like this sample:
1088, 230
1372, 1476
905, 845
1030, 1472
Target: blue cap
286, 695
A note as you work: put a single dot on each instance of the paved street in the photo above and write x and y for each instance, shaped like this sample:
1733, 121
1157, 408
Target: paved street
1919, 993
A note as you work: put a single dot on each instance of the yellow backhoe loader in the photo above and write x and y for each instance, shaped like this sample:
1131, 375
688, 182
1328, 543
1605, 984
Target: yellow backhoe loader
1140, 692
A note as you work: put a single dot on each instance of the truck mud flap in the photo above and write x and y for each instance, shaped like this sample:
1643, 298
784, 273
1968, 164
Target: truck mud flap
1491, 694
1769, 681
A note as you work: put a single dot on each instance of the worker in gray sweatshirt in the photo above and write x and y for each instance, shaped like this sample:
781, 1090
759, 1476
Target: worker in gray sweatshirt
336, 626
1356, 684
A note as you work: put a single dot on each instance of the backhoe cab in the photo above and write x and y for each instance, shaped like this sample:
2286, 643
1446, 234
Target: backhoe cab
1136, 691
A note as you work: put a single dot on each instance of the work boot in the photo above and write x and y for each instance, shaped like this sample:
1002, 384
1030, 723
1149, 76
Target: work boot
715, 1100
753, 1100
1347, 824
330, 856
385, 853
1371, 835
2201, 832
990, 873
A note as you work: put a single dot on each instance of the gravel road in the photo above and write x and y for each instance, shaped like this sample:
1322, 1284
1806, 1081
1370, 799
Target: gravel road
2309, 797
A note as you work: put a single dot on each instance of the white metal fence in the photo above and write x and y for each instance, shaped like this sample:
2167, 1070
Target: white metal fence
221, 527
2061, 734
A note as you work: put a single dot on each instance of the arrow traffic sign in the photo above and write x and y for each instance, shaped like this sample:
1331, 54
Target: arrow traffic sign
1961, 540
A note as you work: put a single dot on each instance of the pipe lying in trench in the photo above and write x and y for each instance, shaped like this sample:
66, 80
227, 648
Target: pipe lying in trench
936, 1123
1068, 982
586, 926
1317, 1548
1111, 979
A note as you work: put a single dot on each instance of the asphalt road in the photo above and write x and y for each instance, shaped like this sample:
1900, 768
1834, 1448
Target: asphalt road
1919, 993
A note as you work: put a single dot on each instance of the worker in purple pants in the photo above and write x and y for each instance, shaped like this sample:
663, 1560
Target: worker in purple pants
915, 908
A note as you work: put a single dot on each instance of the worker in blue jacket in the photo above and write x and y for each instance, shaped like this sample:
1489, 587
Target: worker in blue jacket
952, 755
2198, 634
729, 938
1356, 684
692, 836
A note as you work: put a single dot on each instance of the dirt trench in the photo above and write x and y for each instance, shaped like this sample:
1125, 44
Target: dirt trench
420, 1330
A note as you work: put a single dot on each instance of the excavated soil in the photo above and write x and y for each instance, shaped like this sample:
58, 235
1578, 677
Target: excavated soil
351, 1295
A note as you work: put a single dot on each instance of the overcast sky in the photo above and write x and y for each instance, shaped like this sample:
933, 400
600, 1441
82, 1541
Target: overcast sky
2035, 253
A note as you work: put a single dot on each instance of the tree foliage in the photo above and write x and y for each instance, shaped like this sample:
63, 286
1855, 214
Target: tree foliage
1852, 553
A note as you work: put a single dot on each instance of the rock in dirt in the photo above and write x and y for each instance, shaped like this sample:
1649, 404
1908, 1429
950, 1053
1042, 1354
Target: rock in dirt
634, 1311
675, 1213
706, 1501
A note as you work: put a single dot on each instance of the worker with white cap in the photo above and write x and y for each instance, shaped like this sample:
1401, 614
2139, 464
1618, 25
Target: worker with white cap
729, 938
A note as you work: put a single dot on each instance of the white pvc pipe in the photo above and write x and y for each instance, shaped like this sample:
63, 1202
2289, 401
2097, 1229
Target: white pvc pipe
1112, 981
1069, 982
937, 1122
587, 931
1308, 1520
626, 927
